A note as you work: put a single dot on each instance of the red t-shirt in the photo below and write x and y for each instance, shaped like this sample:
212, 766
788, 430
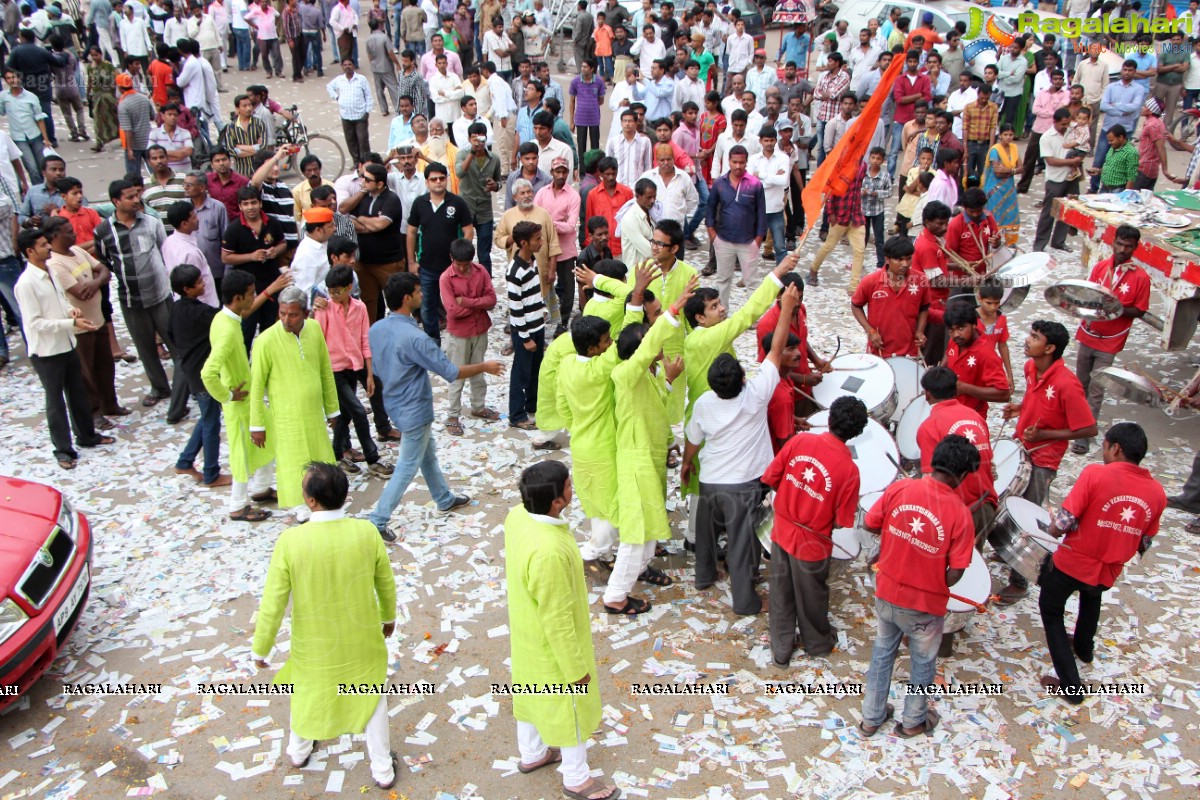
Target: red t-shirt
1056, 401
226, 193
951, 416
83, 222
799, 328
781, 411
1132, 285
601, 204
894, 314
929, 262
978, 365
999, 331
816, 483
162, 75
926, 530
1116, 505
964, 237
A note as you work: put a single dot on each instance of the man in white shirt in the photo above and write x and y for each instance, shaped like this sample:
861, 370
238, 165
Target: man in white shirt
310, 263
774, 169
740, 49
199, 85
861, 60
648, 48
504, 111
50, 324
631, 149
498, 49
733, 101
689, 87
759, 79
408, 184
549, 148
754, 120
735, 135
469, 115
845, 41
959, 99
676, 191
629, 91
134, 33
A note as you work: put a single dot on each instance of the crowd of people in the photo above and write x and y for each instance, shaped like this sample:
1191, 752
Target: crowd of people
277, 303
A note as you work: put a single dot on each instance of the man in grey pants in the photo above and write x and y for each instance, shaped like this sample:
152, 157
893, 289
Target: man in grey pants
581, 35
383, 66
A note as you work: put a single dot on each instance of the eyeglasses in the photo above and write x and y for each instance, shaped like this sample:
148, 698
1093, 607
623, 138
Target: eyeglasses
657, 243
438, 178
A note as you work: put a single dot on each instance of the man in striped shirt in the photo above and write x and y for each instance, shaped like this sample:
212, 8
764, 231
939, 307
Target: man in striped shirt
527, 314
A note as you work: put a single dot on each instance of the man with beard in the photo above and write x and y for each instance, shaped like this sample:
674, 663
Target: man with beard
437, 149
526, 210
974, 359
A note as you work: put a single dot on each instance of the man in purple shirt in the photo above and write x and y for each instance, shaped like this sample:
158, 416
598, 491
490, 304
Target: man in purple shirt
737, 221
587, 93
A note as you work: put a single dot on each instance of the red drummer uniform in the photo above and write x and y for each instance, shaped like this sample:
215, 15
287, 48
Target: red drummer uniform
970, 239
1131, 284
798, 328
953, 417
1054, 402
926, 530
816, 483
781, 412
894, 314
1114, 505
929, 260
979, 365
998, 333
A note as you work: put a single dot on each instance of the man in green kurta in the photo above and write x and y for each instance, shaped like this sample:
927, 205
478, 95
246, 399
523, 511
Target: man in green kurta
610, 293
336, 572
646, 406
226, 376
551, 634
585, 404
290, 367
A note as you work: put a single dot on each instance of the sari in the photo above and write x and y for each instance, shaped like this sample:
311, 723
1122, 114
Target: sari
711, 126
1002, 192
102, 101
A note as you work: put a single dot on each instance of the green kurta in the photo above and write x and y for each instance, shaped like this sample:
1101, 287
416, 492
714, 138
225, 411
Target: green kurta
645, 410
339, 578
586, 403
548, 418
610, 308
550, 628
668, 289
227, 368
295, 376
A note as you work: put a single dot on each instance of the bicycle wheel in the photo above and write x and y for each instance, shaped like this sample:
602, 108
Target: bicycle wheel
332, 155
1186, 128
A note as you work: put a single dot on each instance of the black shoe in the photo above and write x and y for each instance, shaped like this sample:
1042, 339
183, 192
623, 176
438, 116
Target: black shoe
1178, 504
460, 500
708, 272
689, 546
387, 535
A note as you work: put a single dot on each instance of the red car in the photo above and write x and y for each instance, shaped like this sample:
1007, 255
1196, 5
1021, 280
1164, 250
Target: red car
45, 573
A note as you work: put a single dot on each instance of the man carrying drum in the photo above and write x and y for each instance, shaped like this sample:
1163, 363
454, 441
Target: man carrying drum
974, 359
1100, 341
1111, 513
929, 261
1053, 411
892, 306
948, 414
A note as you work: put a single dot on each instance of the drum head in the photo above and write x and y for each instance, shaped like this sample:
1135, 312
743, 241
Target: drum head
867, 377
1085, 300
845, 544
1012, 299
1129, 386
1030, 518
1025, 269
908, 372
1007, 459
910, 422
874, 451
975, 584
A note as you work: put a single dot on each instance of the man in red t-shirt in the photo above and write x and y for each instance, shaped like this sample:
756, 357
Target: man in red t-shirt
1053, 412
1099, 342
892, 306
816, 483
782, 421
926, 548
1111, 513
981, 378
802, 375
973, 234
929, 264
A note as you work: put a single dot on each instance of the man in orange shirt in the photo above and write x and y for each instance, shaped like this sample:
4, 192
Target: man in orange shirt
162, 75
926, 30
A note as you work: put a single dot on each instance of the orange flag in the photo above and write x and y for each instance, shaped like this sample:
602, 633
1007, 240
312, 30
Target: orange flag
838, 170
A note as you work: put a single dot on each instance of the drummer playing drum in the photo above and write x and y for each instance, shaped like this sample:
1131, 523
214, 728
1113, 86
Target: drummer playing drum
1053, 411
981, 378
1100, 341
891, 305
929, 261
1111, 513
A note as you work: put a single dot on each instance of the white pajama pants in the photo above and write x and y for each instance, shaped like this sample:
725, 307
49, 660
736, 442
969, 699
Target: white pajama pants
574, 766
379, 745
632, 559
260, 480
602, 542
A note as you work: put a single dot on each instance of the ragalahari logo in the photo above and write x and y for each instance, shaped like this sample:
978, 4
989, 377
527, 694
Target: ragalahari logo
980, 25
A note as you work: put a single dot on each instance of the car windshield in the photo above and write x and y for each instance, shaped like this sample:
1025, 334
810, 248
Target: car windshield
964, 17
745, 6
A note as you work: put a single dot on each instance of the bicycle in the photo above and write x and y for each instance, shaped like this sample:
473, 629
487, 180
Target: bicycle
295, 132
1186, 126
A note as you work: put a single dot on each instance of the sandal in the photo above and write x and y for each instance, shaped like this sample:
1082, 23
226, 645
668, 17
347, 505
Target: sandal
553, 756
633, 606
932, 718
269, 496
600, 567
525, 425
590, 788
454, 427
1192, 528
250, 514
672, 458
889, 711
490, 414
128, 358
151, 400
655, 577
661, 552
67, 462
549, 444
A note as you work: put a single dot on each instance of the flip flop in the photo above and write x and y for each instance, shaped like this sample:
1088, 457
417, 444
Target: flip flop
269, 496
250, 514
672, 459
932, 718
599, 567
655, 577
489, 414
454, 427
589, 789
67, 463
633, 606
661, 552
889, 711
553, 756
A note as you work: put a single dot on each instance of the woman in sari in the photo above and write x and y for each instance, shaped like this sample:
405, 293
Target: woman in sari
244, 136
712, 125
999, 183
102, 98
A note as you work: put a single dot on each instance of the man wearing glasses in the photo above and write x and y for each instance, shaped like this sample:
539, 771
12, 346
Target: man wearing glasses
377, 214
436, 219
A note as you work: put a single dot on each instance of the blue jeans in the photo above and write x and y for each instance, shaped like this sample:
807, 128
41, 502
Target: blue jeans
701, 189
10, 270
431, 305
206, 434
605, 66
924, 633
483, 253
31, 154
819, 156
778, 229
418, 48
135, 164
894, 147
417, 451
1189, 98
1098, 159
241, 37
312, 52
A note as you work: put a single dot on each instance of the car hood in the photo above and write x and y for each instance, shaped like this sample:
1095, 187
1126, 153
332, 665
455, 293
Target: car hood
28, 512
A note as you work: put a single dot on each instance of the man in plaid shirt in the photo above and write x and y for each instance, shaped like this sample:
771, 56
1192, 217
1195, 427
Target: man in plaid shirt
828, 96
845, 215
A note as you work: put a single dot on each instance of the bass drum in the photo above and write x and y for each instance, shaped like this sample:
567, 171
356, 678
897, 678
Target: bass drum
975, 584
1013, 467
867, 377
908, 372
874, 452
1020, 536
910, 422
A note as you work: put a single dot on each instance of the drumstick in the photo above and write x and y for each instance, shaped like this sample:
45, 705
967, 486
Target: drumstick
1043, 541
804, 527
979, 607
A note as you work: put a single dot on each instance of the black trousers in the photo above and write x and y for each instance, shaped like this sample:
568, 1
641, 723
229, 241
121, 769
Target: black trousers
1050, 230
1057, 588
875, 223
357, 138
297, 47
582, 133
794, 218
66, 394
564, 287
1032, 157
266, 316
729, 508
799, 598
347, 382
523, 379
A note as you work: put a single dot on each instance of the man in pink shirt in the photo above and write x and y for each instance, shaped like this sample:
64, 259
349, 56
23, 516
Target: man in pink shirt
467, 295
344, 322
1152, 151
687, 138
561, 202
1044, 106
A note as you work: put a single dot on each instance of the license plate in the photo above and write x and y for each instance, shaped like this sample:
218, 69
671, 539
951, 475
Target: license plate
68, 608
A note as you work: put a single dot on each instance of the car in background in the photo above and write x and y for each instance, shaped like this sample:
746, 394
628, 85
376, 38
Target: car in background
45, 575
749, 10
